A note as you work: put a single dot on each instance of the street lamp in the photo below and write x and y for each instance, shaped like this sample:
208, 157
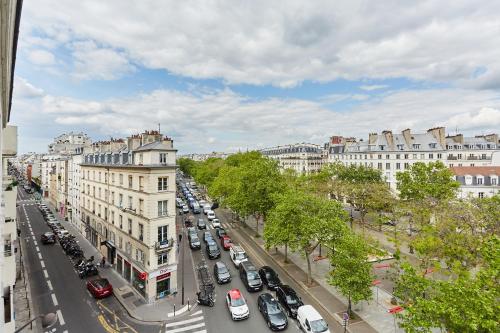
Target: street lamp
48, 320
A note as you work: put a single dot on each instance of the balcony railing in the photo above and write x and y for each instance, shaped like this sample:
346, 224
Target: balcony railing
164, 245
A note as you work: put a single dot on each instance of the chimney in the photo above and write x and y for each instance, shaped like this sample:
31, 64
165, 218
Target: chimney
133, 142
408, 138
457, 138
168, 141
389, 138
493, 138
117, 144
439, 134
149, 137
336, 140
372, 138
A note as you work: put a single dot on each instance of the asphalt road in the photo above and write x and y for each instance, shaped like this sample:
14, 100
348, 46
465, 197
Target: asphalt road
55, 286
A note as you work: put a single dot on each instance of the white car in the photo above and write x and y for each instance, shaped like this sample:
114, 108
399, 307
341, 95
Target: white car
310, 320
237, 305
185, 209
216, 223
210, 215
206, 208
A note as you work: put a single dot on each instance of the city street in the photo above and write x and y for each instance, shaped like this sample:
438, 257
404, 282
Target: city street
55, 286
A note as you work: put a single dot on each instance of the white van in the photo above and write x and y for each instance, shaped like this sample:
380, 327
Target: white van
310, 320
237, 255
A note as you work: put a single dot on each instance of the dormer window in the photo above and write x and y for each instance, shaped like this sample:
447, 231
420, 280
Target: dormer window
479, 180
416, 146
381, 147
432, 145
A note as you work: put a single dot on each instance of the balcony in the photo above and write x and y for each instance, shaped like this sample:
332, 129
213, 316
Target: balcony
164, 245
452, 158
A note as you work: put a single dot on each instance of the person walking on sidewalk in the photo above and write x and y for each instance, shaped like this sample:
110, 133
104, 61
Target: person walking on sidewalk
103, 261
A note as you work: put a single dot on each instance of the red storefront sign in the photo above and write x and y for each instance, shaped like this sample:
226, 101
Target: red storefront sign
163, 276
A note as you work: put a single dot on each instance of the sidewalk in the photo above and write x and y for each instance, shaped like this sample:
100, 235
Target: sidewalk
372, 316
163, 310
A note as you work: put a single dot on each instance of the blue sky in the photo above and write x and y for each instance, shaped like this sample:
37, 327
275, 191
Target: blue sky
228, 76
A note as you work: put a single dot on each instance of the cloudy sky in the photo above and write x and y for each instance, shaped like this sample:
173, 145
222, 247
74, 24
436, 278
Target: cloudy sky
227, 75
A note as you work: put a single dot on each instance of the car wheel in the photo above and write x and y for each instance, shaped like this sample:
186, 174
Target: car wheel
269, 324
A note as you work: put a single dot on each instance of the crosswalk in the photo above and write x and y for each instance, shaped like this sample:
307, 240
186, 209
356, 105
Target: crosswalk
195, 323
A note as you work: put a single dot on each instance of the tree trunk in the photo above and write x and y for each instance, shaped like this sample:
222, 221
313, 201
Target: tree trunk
349, 307
309, 274
286, 253
257, 218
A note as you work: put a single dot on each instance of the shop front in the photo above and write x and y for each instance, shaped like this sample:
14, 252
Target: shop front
139, 281
91, 235
109, 251
127, 270
163, 280
119, 264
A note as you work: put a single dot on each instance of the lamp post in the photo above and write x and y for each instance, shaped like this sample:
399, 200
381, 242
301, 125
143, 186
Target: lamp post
48, 320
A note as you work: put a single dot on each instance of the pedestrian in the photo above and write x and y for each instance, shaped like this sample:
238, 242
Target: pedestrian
103, 261
18, 232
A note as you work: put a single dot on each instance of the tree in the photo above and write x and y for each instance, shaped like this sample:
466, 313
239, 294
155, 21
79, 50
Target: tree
462, 303
314, 221
427, 181
206, 171
351, 272
187, 166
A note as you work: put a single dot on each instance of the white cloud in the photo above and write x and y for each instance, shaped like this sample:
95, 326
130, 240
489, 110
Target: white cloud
336, 98
24, 89
373, 87
93, 62
41, 57
216, 120
282, 42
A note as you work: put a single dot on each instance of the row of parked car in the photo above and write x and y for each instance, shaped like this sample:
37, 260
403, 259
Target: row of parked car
98, 287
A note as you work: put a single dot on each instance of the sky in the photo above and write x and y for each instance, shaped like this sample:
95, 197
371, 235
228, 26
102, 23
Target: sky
232, 75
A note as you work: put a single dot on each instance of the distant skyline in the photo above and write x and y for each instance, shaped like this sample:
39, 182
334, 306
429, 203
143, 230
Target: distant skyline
229, 75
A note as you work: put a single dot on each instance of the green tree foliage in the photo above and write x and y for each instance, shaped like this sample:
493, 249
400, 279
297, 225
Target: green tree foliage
462, 303
208, 170
351, 273
427, 181
311, 221
187, 166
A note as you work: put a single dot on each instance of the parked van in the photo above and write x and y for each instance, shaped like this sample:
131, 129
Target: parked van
196, 208
250, 276
237, 255
310, 320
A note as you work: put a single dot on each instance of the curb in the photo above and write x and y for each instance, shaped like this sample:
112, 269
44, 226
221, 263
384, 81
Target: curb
335, 316
22, 247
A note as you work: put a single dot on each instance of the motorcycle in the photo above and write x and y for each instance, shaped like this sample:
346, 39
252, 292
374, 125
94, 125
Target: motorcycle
205, 299
87, 270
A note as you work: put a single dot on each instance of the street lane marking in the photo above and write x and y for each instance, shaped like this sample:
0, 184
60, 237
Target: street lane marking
42, 263
45, 274
54, 299
196, 313
50, 285
39, 255
37, 249
61, 319
182, 322
187, 328
33, 238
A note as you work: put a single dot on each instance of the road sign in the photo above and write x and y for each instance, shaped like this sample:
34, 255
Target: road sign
345, 316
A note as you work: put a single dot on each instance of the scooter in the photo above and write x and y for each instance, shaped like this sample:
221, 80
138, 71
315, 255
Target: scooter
205, 300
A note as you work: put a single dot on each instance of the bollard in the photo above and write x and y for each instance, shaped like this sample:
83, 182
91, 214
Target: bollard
189, 309
174, 309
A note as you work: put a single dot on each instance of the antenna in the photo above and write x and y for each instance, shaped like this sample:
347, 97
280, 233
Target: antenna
159, 128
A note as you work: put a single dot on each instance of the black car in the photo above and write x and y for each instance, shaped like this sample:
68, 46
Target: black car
48, 238
269, 277
220, 232
194, 242
202, 224
207, 236
289, 299
213, 250
221, 273
250, 276
271, 311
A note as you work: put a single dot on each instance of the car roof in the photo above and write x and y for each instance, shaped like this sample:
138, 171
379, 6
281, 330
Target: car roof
287, 289
309, 312
220, 264
267, 297
234, 294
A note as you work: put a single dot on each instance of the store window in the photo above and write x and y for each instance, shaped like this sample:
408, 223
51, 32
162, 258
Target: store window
138, 282
163, 285
119, 265
127, 269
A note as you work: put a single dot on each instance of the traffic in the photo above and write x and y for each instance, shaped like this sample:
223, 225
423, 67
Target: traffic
241, 287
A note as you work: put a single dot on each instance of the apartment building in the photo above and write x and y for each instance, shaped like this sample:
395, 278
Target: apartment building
301, 157
127, 205
395, 152
10, 13
69, 143
477, 181
73, 203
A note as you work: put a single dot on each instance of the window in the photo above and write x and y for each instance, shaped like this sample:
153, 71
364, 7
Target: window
439, 156
93, 191
162, 208
414, 156
379, 157
162, 258
388, 166
480, 195
139, 255
113, 217
407, 166
141, 206
162, 183
479, 180
493, 181
120, 200
379, 166
112, 198
422, 156
163, 158
120, 219
416, 146
388, 157
129, 202
163, 233
431, 156
459, 156
141, 183
112, 178
99, 196
99, 176
130, 226
120, 242
406, 156
141, 232
398, 166
121, 179
130, 181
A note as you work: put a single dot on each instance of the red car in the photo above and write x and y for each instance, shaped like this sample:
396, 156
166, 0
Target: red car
226, 243
100, 288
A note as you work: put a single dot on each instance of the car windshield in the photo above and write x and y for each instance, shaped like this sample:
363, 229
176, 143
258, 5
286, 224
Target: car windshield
253, 276
319, 325
102, 283
292, 299
273, 308
237, 301
212, 247
222, 270
241, 256
195, 239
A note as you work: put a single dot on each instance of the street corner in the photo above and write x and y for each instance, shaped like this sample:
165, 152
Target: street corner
113, 318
